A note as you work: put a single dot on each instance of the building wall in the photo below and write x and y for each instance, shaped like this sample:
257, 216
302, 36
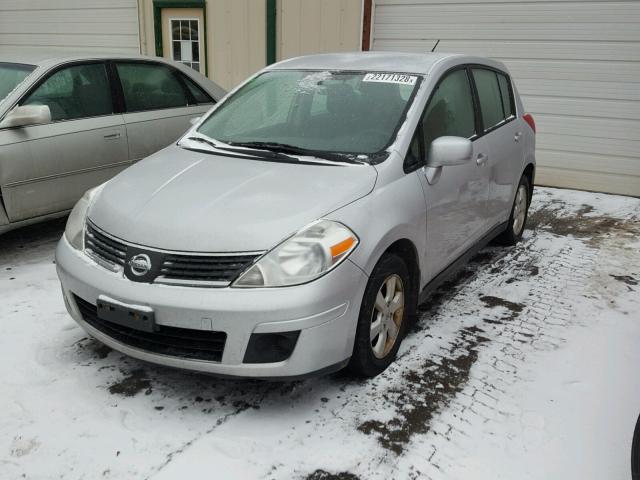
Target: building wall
236, 33
317, 26
107, 26
235, 37
576, 64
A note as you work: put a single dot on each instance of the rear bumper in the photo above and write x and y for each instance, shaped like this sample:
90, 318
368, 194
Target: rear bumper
325, 313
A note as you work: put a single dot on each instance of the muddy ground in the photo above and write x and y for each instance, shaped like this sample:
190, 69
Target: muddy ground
529, 351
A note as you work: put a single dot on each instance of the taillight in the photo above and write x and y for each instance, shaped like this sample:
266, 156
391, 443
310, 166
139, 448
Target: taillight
527, 117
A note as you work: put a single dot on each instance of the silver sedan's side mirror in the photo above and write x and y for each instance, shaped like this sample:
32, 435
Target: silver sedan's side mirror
194, 120
27, 115
447, 151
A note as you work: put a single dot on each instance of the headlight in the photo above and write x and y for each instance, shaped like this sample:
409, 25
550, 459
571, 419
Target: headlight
74, 231
307, 255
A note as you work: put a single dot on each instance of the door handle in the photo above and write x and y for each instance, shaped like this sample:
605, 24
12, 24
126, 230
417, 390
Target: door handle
517, 136
112, 136
481, 159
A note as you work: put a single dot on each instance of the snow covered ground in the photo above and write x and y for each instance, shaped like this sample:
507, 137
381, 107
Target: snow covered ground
524, 367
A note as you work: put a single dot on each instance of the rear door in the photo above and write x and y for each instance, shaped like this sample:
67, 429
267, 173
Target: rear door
456, 196
46, 168
159, 102
503, 135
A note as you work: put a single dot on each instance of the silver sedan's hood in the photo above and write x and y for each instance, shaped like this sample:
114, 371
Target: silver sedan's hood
189, 201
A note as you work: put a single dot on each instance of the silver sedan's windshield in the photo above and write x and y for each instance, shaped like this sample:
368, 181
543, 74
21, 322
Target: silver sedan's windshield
11, 74
323, 111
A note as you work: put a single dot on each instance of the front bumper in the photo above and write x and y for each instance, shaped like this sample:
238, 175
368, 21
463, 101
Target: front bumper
325, 312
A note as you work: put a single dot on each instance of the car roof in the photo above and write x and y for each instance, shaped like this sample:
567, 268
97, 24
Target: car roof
420, 63
53, 57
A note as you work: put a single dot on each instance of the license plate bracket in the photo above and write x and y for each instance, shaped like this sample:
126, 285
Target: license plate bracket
138, 317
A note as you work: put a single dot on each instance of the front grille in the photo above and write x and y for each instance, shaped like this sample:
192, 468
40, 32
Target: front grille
204, 268
167, 267
172, 341
106, 248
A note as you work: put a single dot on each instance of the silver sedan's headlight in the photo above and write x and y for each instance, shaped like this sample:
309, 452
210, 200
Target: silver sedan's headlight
307, 255
74, 231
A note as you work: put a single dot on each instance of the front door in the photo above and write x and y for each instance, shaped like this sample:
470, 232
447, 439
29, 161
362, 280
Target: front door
456, 196
46, 168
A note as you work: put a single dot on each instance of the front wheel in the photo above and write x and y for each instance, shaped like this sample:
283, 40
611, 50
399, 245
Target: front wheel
382, 320
518, 217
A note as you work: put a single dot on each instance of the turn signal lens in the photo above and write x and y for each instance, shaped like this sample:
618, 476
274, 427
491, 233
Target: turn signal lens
341, 248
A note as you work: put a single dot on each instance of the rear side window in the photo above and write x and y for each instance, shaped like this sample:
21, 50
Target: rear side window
507, 98
199, 95
489, 96
78, 91
150, 87
450, 110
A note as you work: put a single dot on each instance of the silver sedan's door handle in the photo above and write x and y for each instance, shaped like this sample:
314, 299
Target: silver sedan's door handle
481, 159
112, 136
517, 136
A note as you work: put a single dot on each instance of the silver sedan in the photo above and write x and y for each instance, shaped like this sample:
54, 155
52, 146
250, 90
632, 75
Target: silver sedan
295, 228
69, 122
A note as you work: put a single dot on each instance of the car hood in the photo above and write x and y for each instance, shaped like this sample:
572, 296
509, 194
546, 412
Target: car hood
183, 200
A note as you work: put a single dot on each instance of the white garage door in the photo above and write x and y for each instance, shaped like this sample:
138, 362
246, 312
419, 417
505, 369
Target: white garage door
576, 64
109, 26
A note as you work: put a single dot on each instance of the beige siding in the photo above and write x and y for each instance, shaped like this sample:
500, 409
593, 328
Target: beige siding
236, 38
81, 25
317, 26
576, 64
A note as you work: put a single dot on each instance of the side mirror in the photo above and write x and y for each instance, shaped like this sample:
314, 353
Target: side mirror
447, 151
194, 120
27, 115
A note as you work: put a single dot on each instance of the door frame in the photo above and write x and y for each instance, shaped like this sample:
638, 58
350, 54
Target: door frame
158, 5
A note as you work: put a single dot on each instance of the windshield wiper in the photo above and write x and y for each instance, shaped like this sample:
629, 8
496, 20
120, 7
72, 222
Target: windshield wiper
292, 149
254, 154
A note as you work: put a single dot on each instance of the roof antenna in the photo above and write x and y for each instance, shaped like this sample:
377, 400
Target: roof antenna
434, 47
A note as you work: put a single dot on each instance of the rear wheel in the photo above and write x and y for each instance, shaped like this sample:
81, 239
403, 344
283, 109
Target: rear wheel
382, 320
518, 217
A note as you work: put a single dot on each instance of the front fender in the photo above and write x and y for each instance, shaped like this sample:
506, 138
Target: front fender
391, 212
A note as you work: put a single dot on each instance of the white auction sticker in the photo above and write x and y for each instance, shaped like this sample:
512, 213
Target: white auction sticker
401, 78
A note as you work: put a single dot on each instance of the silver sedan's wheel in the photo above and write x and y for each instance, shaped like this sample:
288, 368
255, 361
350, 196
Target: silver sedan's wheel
388, 312
520, 210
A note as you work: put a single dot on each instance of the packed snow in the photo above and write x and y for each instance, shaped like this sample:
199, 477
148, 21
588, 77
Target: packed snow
523, 367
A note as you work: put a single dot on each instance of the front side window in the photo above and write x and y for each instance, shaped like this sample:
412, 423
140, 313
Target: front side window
489, 96
11, 75
78, 91
344, 112
148, 86
450, 109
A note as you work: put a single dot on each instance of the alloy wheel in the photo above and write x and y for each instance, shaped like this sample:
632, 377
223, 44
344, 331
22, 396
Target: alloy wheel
520, 210
388, 312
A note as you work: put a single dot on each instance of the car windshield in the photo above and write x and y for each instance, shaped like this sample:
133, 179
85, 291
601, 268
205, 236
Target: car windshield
11, 74
322, 111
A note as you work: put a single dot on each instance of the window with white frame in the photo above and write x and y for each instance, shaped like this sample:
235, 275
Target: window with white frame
185, 41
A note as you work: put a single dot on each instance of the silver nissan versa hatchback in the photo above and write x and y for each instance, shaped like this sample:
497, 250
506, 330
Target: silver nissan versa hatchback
295, 228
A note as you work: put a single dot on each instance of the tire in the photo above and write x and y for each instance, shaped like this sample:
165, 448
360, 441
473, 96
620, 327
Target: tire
370, 355
514, 230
